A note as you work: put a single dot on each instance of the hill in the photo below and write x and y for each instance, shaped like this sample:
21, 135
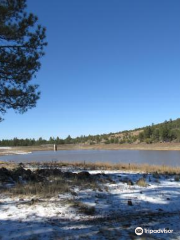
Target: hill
167, 132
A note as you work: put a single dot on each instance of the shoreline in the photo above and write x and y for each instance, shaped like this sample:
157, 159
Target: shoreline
141, 147
99, 166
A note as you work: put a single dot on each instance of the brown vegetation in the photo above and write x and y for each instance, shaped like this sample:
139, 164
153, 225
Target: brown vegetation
155, 169
44, 182
110, 166
82, 207
142, 182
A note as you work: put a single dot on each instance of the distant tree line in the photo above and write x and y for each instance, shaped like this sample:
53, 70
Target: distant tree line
164, 132
30, 142
69, 140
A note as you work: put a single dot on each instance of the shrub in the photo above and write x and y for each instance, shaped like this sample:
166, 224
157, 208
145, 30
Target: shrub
142, 182
83, 208
43, 189
177, 178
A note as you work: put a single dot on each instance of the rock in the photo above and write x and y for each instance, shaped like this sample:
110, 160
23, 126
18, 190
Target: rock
156, 175
21, 174
83, 175
177, 178
129, 203
5, 176
21, 165
99, 176
18, 172
128, 181
49, 172
4, 171
69, 175
34, 200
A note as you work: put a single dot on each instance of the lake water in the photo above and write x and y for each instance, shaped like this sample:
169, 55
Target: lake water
171, 158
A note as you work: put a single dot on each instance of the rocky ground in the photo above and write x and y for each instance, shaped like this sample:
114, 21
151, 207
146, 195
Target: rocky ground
76, 203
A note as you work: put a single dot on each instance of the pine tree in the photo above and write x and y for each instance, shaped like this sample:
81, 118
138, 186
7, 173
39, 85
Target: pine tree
22, 43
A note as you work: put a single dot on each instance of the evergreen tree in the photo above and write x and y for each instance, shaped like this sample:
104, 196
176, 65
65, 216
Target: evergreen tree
147, 132
68, 140
155, 135
22, 43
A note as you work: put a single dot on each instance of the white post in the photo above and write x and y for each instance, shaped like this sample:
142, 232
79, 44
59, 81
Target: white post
55, 147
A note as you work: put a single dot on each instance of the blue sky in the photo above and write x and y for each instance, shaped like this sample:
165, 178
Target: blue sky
110, 65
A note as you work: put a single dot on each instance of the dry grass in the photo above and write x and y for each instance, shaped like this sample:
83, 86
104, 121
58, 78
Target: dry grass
132, 133
110, 166
82, 207
39, 189
75, 182
8, 165
145, 168
142, 182
51, 187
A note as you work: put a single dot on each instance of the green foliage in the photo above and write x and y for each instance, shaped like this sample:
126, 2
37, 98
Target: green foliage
148, 140
22, 42
147, 132
68, 140
141, 136
155, 135
163, 132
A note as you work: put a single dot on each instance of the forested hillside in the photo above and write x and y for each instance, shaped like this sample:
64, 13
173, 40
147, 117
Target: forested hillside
163, 132
168, 131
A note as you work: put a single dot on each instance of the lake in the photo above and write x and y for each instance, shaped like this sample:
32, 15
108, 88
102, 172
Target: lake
171, 158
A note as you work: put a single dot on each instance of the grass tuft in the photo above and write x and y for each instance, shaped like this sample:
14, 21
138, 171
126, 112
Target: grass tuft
82, 207
142, 182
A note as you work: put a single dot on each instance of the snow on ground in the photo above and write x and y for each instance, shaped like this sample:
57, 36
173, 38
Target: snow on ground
8, 151
154, 207
5, 148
